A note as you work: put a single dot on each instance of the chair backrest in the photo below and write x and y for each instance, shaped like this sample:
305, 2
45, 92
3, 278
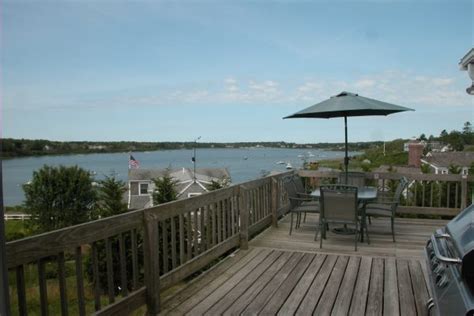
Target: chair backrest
398, 192
291, 191
353, 178
339, 203
298, 183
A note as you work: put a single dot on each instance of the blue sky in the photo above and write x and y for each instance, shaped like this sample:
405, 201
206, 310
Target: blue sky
230, 70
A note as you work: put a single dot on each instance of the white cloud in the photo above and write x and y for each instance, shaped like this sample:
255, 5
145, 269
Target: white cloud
404, 88
364, 83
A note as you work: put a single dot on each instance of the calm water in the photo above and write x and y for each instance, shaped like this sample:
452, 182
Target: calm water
258, 160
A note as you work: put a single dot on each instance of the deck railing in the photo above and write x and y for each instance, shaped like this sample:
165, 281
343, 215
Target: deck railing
131, 257
426, 194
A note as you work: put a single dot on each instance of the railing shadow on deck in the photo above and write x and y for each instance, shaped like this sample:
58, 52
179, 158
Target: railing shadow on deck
133, 256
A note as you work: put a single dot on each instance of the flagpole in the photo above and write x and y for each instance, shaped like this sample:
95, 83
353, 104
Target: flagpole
194, 158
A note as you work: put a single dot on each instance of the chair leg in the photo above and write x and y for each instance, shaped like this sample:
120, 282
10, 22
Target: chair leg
322, 228
370, 222
357, 233
364, 222
291, 222
393, 230
304, 219
318, 230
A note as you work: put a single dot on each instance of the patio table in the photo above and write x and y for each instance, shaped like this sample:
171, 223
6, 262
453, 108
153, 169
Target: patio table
364, 195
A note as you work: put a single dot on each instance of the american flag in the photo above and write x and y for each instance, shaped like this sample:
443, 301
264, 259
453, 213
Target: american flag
133, 163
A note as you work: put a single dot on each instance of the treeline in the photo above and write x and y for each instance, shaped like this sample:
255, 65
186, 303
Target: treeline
28, 147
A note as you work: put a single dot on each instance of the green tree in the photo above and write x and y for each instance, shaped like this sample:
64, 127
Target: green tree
110, 202
164, 190
110, 197
219, 184
467, 129
58, 197
422, 137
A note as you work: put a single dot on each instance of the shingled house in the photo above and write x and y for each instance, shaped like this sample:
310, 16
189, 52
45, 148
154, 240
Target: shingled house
141, 185
440, 162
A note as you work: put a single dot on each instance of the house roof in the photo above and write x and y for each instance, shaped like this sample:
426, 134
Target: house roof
399, 169
180, 175
139, 201
462, 159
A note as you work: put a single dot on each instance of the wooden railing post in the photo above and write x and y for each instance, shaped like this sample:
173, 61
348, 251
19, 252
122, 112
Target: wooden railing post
151, 265
463, 191
244, 218
275, 205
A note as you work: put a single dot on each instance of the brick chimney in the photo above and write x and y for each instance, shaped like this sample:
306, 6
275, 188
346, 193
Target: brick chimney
415, 151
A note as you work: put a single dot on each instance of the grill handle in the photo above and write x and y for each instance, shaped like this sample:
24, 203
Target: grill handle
438, 254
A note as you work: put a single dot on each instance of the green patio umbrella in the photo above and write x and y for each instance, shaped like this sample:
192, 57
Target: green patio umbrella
348, 104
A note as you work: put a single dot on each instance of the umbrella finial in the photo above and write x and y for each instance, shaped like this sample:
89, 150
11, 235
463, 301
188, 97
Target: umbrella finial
345, 94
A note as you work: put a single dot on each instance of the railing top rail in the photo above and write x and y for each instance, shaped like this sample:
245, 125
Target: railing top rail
390, 175
39, 246
175, 208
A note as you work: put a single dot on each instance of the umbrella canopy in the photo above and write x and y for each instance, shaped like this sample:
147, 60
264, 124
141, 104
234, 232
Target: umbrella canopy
348, 104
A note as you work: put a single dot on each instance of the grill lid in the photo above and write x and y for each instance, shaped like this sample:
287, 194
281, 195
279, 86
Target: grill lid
461, 229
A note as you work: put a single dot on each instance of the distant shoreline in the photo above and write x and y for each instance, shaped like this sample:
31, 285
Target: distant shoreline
19, 148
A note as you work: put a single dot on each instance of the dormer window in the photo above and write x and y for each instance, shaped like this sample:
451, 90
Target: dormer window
143, 188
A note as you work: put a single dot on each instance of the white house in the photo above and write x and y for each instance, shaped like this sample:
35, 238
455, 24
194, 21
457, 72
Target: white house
141, 185
440, 162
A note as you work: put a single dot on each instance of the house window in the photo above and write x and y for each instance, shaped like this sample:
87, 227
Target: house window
464, 172
143, 188
444, 172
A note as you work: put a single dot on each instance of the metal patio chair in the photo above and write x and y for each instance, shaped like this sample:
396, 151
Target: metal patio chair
299, 205
338, 206
387, 208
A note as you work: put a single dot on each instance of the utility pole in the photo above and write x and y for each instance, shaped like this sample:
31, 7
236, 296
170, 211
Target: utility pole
194, 158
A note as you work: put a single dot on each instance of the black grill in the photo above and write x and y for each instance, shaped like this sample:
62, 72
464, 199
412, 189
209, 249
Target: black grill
450, 260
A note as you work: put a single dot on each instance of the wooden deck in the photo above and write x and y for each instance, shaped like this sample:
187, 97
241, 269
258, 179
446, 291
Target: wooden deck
290, 275
269, 282
411, 237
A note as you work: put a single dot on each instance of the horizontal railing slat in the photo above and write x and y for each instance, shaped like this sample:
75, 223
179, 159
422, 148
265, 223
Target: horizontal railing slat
32, 248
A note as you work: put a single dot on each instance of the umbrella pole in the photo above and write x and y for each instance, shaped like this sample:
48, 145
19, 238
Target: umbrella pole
346, 158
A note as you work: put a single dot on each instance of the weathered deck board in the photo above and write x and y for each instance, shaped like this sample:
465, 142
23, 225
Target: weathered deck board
375, 298
407, 302
260, 300
241, 303
343, 301
391, 304
332, 287
411, 237
291, 304
238, 290
219, 292
294, 283
314, 293
290, 275
273, 306
359, 297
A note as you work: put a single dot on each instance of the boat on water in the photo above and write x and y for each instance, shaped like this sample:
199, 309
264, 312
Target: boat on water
281, 162
289, 166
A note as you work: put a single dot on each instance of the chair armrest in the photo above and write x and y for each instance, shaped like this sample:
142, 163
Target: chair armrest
299, 199
306, 195
380, 203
